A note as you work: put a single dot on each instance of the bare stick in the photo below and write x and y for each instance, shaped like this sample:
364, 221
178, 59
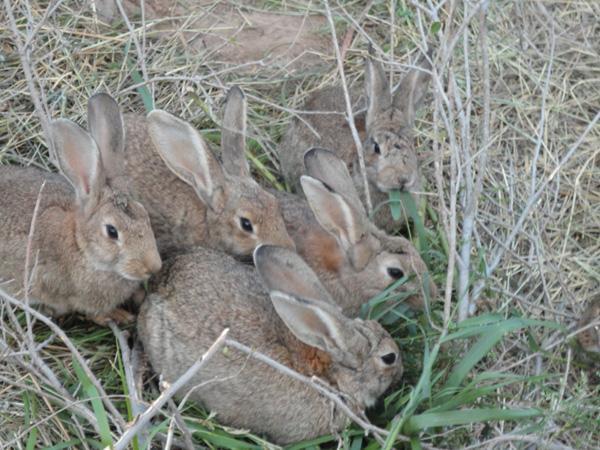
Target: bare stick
474, 191
349, 115
142, 420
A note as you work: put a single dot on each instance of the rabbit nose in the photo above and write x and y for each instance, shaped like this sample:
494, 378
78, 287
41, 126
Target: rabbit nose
153, 263
405, 182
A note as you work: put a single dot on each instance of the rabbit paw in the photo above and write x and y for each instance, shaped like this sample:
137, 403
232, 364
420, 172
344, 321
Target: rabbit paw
118, 315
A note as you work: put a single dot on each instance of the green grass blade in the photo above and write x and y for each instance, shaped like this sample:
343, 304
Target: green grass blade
29, 412
466, 416
490, 336
408, 203
395, 205
143, 91
68, 444
92, 394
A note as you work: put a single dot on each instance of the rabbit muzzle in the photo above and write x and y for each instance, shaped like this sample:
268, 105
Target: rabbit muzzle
140, 268
392, 178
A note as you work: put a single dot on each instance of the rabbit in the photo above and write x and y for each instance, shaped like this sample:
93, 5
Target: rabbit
352, 257
191, 197
590, 338
386, 130
202, 293
92, 243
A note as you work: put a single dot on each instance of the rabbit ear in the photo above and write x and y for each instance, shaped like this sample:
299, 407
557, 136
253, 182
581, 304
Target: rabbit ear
282, 269
326, 166
78, 158
409, 95
187, 155
377, 90
316, 324
334, 213
106, 127
233, 134
302, 303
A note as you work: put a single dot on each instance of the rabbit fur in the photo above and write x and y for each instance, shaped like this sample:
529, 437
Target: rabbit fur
386, 130
288, 316
352, 257
92, 243
192, 198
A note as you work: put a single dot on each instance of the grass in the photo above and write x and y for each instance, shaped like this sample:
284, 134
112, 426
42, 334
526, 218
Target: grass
507, 377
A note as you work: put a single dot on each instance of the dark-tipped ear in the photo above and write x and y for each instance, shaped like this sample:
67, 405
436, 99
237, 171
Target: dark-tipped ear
411, 92
106, 127
377, 90
282, 269
233, 134
78, 158
326, 166
334, 213
187, 155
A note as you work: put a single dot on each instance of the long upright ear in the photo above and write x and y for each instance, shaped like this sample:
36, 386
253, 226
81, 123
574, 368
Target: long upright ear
377, 89
106, 127
233, 134
326, 166
78, 158
282, 269
334, 213
409, 95
187, 155
312, 318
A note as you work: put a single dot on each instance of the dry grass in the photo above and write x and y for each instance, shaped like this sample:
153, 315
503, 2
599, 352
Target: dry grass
509, 145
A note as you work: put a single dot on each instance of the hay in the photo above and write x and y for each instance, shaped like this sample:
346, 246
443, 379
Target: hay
519, 144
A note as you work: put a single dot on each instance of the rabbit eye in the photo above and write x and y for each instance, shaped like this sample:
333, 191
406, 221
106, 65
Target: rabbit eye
112, 232
395, 273
389, 359
246, 224
376, 148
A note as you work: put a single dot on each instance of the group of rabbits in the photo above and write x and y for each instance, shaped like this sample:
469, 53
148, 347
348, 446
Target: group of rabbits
146, 195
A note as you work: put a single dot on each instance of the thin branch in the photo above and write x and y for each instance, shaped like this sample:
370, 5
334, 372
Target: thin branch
349, 114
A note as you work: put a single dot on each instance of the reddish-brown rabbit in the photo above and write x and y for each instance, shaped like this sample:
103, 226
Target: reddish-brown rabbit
386, 130
192, 198
93, 243
352, 257
288, 316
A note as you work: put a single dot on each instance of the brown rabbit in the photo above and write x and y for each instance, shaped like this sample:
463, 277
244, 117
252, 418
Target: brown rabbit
386, 130
590, 338
204, 292
93, 243
191, 197
351, 256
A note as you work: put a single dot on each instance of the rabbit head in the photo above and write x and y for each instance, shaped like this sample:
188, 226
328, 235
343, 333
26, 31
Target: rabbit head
240, 214
111, 228
365, 358
365, 259
389, 151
